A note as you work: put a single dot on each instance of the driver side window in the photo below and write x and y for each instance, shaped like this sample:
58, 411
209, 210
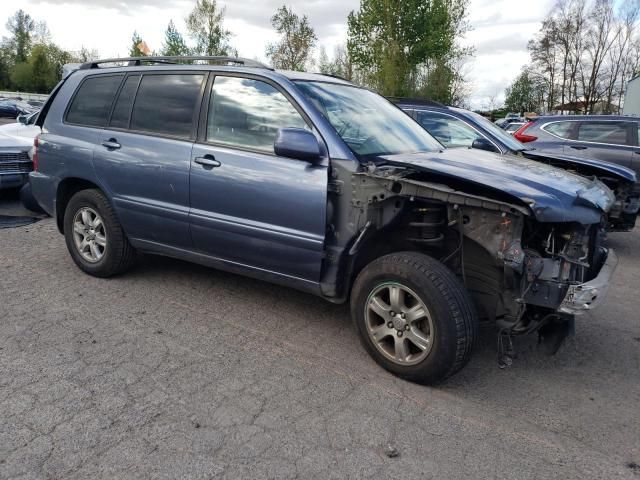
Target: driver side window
450, 131
247, 113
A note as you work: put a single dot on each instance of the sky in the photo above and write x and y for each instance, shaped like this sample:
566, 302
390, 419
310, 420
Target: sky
500, 29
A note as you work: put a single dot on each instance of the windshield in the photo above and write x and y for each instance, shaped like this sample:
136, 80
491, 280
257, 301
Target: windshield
497, 132
369, 124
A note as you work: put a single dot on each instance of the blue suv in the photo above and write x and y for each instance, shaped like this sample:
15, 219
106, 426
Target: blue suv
312, 182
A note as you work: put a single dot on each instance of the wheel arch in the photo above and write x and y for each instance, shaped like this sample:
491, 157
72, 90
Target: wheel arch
67, 188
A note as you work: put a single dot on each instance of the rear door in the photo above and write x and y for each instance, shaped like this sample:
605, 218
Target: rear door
143, 155
603, 140
250, 207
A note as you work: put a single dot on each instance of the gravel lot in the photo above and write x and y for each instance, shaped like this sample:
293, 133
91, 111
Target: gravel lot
178, 371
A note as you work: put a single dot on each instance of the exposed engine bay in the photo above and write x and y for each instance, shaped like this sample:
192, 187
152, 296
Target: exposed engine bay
523, 274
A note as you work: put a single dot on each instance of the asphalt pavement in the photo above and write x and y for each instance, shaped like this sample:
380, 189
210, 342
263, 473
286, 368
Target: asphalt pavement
178, 371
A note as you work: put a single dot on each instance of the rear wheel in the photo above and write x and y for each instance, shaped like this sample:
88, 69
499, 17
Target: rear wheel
94, 237
414, 317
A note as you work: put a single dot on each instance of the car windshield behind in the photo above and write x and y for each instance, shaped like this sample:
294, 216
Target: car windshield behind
369, 124
498, 132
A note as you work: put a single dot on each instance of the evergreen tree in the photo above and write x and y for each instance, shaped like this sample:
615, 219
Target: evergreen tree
174, 44
135, 51
22, 27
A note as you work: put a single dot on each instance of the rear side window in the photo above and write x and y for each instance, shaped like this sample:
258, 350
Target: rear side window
93, 100
604, 132
122, 110
560, 129
165, 104
248, 113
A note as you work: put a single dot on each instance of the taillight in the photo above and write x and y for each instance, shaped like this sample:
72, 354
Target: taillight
523, 137
34, 156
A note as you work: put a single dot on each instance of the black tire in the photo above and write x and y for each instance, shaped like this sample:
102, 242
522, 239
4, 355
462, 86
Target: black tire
453, 317
118, 255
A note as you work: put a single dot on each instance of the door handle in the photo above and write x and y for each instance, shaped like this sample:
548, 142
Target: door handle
578, 147
111, 144
207, 161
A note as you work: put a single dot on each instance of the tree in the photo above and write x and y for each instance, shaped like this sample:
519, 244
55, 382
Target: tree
136, 43
174, 44
6, 64
22, 27
524, 95
340, 65
42, 70
297, 41
585, 52
205, 25
403, 46
84, 55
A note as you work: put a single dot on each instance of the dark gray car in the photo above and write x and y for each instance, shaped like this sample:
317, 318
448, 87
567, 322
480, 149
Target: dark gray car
611, 138
314, 183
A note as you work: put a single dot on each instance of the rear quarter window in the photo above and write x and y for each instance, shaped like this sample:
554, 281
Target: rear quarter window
559, 129
93, 99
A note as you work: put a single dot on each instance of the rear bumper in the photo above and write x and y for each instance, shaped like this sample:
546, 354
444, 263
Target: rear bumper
587, 296
13, 180
43, 190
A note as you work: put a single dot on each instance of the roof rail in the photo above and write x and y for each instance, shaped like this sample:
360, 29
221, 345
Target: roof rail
137, 61
415, 101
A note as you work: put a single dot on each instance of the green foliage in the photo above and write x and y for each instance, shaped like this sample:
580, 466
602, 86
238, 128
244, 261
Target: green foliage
340, 65
298, 38
525, 94
29, 61
134, 50
407, 47
174, 44
41, 71
21, 27
205, 25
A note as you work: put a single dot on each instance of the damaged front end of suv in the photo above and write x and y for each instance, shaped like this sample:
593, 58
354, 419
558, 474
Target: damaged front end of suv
529, 265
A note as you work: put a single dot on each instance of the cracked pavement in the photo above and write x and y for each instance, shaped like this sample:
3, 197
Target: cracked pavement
178, 371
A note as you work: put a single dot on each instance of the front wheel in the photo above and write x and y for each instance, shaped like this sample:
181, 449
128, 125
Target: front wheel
414, 317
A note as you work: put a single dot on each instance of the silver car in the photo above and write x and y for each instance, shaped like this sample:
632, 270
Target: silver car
611, 138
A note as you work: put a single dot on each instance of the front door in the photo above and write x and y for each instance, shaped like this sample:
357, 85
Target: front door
250, 207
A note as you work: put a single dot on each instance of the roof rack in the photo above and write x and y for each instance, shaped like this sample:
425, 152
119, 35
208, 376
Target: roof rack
137, 61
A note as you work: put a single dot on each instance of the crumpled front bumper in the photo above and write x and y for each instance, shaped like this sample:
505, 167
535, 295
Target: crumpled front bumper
589, 295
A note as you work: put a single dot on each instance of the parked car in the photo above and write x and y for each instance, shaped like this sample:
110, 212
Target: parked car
14, 108
511, 128
15, 163
16, 140
25, 127
459, 128
504, 122
314, 183
612, 138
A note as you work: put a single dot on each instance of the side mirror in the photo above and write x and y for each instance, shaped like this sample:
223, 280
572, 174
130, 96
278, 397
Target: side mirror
297, 143
22, 119
484, 144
